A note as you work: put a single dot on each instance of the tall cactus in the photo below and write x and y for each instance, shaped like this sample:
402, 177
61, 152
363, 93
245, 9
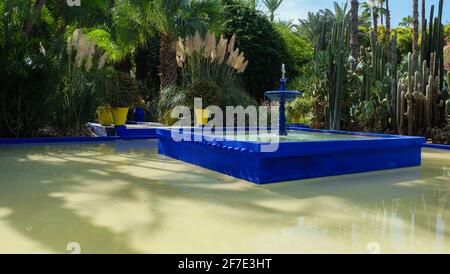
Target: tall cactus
401, 105
378, 59
337, 73
394, 82
447, 103
423, 109
433, 41
423, 88
409, 94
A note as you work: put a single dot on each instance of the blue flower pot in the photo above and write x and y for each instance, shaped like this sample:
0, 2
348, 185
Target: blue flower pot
139, 115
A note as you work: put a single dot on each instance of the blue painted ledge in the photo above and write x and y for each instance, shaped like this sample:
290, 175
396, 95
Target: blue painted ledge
6, 141
436, 146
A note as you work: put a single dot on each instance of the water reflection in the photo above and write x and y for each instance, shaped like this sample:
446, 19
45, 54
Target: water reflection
403, 210
123, 197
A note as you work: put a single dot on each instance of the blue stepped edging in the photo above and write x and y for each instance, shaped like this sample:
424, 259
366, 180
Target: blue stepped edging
123, 131
295, 160
436, 146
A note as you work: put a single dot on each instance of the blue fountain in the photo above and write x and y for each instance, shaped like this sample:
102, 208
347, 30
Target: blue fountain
282, 96
300, 157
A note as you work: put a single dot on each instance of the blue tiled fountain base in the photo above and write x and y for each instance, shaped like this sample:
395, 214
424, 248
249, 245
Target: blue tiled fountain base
295, 160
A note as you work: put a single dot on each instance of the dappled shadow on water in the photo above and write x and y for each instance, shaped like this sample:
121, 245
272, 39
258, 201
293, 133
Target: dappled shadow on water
119, 198
123, 197
406, 209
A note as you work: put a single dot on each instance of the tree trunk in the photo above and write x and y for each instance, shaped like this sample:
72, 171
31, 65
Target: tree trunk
355, 30
375, 21
124, 65
168, 65
33, 16
381, 12
388, 31
423, 13
415, 46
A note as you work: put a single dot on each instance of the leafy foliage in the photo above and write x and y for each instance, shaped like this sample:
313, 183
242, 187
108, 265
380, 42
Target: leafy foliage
313, 85
83, 78
262, 45
272, 6
208, 91
404, 41
301, 111
25, 74
299, 49
322, 21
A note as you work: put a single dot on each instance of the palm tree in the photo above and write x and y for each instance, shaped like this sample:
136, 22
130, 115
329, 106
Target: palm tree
380, 11
339, 14
288, 24
323, 20
91, 13
272, 6
254, 3
312, 25
354, 37
371, 7
406, 22
138, 20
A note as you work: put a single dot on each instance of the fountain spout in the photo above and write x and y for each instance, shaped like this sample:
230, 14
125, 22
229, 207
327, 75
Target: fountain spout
282, 96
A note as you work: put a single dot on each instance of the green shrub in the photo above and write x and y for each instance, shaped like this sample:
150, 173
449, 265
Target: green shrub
128, 92
208, 91
300, 110
447, 30
300, 50
28, 74
404, 41
262, 44
314, 86
84, 76
171, 96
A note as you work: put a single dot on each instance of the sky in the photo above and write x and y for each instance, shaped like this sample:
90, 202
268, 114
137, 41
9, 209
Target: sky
298, 9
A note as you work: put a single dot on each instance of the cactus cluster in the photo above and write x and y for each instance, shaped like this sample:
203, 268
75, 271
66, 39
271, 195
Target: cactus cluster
395, 76
433, 42
422, 95
337, 50
390, 100
375, 62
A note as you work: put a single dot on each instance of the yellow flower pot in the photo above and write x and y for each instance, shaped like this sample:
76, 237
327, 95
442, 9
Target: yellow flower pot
120, 115
201, 117
104, 116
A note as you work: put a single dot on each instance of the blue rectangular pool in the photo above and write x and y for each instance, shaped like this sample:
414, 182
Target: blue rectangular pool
304, 153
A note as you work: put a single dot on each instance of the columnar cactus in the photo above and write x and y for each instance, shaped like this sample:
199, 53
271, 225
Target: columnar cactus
337, 72
424, 89
401, 106
394, 82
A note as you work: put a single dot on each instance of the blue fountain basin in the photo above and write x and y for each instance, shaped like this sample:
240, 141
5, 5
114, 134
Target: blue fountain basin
285, 96
304, 153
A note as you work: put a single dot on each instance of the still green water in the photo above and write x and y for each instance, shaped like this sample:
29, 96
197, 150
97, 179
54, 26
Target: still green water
123, 198
293, 136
